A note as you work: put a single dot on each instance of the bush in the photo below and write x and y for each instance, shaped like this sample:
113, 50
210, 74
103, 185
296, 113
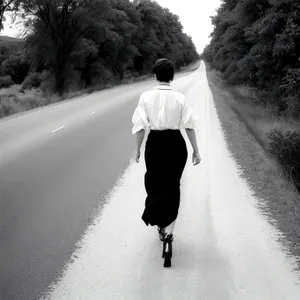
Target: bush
293, 104
104, 77
6, 81
14, 103
73, 82
48, 83
33, 80
29, 101
3, 58
16, 67
8, 106
285, 147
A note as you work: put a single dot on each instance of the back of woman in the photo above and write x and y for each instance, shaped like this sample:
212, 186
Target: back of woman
164, 112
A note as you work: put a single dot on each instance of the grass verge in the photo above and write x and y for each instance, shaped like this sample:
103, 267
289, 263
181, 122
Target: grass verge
246, 129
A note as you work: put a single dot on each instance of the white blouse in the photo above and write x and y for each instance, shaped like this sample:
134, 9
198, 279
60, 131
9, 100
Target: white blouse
162, 108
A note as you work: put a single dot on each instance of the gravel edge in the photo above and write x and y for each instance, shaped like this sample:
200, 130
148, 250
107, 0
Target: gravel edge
280, 202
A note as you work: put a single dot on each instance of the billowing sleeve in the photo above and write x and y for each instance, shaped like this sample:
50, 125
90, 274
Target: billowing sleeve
140, 118
188, 117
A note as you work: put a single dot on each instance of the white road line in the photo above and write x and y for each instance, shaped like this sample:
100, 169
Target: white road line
58, 129
92, 113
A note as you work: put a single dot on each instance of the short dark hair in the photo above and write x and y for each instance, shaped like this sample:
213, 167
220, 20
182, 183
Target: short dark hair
164, 70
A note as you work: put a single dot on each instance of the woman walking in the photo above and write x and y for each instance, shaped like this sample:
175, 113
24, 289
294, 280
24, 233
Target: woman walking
164, 112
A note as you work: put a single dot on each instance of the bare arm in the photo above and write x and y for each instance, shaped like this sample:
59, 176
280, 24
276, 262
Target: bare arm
139, 140
192, 137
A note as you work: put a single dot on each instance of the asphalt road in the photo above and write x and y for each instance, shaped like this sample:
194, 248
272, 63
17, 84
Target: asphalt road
72, 198
57, 164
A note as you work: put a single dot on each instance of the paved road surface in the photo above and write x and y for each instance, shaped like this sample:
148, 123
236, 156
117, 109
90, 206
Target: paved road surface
59, 167
56, 166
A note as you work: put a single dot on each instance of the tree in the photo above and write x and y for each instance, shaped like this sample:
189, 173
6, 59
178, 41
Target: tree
57, 27
5, 5
257, 42
100, 39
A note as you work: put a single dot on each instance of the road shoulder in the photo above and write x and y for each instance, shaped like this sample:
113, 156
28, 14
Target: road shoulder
279, 204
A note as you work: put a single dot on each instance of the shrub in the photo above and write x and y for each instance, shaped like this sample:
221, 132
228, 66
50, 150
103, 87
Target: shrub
13, 103
8, 106
33, 80
285, 147
94, 88
6, 81
3, 58
16, 67
293, 104
73, 82
105, 77
48, 83
29, 101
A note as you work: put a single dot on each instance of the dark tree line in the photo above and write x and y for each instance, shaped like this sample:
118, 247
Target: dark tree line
257, 43
85, 42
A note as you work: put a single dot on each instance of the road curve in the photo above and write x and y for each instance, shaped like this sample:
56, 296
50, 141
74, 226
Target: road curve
224, 247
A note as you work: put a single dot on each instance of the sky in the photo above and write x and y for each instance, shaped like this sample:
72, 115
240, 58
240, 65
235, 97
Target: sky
194, 16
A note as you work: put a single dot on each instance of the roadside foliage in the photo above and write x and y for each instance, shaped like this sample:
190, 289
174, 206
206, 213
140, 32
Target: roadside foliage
76, 44
256, 43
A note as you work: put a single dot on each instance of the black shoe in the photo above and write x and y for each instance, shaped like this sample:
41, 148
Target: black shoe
167, 249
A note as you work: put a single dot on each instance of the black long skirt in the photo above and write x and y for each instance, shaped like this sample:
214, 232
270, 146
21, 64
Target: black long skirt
165, 156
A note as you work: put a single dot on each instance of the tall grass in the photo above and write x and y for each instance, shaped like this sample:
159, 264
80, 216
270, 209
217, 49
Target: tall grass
17, 99
15, 102
278, 136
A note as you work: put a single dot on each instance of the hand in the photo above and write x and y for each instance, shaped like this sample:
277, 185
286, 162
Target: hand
196, 158
137, 156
